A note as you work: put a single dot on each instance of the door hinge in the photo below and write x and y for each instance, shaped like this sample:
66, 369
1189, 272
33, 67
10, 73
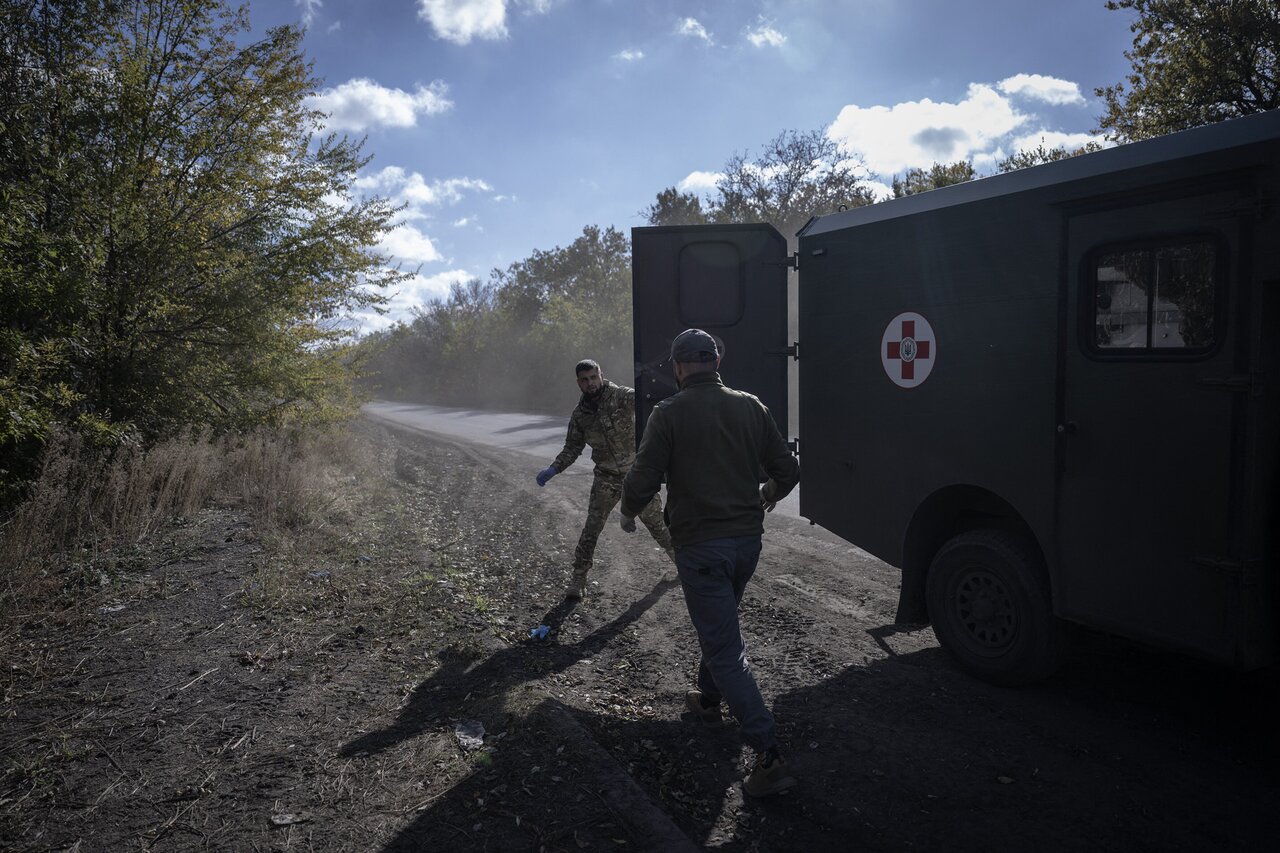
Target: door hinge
791, 262
793, 351
1242, 382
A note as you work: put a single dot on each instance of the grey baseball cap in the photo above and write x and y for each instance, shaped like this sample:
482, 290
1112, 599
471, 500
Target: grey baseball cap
694, 345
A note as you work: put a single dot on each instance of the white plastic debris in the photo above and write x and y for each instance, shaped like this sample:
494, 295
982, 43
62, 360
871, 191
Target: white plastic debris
470, 734
288, 819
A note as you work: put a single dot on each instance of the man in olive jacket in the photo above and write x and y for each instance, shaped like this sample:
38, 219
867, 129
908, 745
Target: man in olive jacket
604, 418
712, 443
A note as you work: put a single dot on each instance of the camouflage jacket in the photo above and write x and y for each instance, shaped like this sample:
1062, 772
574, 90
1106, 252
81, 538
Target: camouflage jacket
608, 424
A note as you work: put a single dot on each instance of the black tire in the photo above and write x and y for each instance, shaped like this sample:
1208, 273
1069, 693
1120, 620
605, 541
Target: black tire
989, 601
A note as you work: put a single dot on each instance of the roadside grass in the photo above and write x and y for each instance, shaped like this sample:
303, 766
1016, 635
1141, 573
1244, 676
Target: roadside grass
360, 578
340, 545
323, 511
94, 519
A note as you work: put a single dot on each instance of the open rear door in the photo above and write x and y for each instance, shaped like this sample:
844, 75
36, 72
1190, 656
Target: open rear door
728, 280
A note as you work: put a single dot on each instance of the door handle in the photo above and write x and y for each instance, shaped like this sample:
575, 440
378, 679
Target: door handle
1068, 428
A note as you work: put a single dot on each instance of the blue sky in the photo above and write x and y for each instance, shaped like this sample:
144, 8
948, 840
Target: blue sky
508, 125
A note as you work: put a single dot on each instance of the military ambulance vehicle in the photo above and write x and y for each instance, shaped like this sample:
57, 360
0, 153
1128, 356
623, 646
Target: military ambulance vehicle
1047, 396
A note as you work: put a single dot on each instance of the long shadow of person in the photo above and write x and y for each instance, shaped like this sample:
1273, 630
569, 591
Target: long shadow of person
458, 681
549, 787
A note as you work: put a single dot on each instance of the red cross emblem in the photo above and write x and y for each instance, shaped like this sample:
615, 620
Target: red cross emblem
908, 349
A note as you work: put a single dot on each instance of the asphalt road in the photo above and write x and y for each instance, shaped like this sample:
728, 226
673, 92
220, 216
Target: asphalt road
540, 436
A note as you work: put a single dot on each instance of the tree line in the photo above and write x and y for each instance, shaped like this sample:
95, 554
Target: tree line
176, 236
512, 340
179, 241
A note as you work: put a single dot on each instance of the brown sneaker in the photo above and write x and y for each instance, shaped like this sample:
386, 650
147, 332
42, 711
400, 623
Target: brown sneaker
770, 776
705, 713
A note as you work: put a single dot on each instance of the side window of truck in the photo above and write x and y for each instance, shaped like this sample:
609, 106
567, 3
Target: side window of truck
1153, 297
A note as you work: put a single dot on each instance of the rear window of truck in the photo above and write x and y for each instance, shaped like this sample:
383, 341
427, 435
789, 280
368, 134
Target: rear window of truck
1151, 298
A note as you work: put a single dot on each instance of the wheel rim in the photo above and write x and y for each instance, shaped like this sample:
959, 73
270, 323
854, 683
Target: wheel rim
986, 612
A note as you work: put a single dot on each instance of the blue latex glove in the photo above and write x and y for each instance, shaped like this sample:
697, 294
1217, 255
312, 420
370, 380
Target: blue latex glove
546, 474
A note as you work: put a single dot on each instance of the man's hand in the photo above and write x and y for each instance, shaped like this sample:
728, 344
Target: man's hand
628, 523
765, 502
546, 474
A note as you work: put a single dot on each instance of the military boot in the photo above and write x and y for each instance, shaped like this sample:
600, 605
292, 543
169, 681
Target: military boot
577, 587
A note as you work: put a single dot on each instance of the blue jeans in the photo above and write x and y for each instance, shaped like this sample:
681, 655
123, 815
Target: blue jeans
714, 575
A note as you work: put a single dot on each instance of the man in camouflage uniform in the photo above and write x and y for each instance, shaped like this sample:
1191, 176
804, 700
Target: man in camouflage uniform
605, 419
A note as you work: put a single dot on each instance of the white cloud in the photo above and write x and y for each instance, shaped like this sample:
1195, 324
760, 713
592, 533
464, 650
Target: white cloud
691, 27
416, 292
699, 182
412, 189
460, 21
362, 103
920, 133
629, 55
408, 245
1051, 90
982, 128
334, 27
420, 290
409, 296
1054, 139
309, 9
766, 36
986, 161
879, 190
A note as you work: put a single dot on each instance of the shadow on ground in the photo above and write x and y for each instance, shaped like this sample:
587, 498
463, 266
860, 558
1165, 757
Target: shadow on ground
904, 753
461, 681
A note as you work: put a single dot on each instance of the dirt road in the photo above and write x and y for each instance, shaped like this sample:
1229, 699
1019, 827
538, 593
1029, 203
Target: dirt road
1124, 750
352, 733
540, 436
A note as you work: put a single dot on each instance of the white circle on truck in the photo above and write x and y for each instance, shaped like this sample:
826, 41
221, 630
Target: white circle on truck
908, 349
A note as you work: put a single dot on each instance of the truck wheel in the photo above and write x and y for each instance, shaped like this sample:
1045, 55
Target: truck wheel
989, 602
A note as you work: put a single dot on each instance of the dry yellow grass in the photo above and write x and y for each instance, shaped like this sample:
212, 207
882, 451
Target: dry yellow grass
87, 503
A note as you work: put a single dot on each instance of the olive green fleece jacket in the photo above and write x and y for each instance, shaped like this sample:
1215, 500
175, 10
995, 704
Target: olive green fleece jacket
712, 444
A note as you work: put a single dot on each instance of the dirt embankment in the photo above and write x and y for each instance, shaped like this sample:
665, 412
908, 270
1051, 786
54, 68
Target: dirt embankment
309, 692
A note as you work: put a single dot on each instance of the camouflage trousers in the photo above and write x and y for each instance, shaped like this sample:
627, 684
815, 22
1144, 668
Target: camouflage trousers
605, 494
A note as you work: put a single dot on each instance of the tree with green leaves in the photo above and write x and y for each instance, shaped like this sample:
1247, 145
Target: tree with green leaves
1194, 62
796, 175
512, 341
673, 207
1042, 154
176, 235
917, 180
